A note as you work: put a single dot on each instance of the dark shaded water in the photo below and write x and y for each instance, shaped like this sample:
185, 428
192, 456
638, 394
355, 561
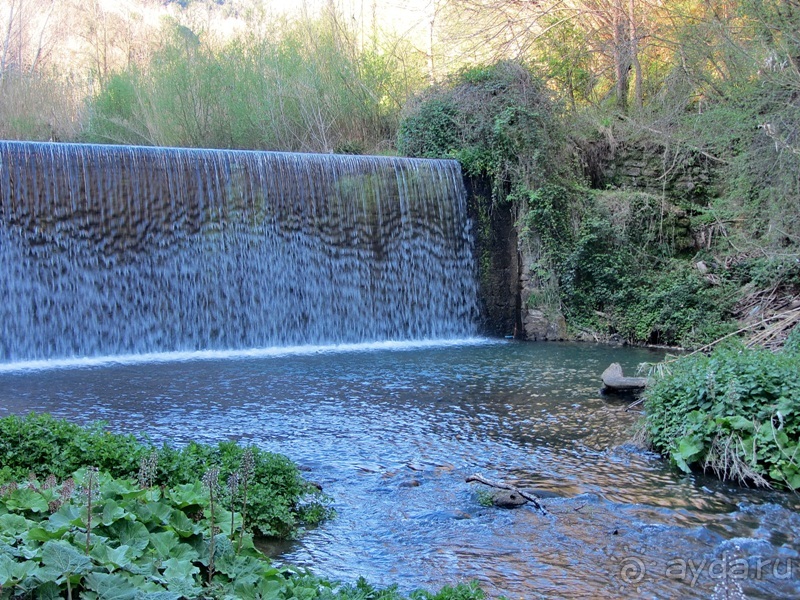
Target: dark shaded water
392, 434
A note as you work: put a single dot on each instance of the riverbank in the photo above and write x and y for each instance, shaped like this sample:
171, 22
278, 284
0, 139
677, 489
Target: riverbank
78, 517
732, 412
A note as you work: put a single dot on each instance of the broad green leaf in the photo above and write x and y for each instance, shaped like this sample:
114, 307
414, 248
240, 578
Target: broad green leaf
223, 546
739, 423
183, 525
179, 569
125, 488
164, 542
48, 591
189, 494
111, 558
6, 569
79, 539
184, 552
158, 596
687, 451
14, 525
64, 557
67, 516
110, 586
6, 550
26, 499
60, 560
241, 569
145, 584
40, 534
185, 588
271, 589
158, 513
130, 533
180, 577
112, 512
245, 591
145, 567
223, 521
25, 569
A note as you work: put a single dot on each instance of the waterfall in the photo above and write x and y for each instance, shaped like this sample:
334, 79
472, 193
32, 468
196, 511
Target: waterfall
108, 250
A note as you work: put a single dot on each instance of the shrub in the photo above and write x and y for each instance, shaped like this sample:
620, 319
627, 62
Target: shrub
280, 499
499, 121
736, 412
306, 86
620, 275
35, 106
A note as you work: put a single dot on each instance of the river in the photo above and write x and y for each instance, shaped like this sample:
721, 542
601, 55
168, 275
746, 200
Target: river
391, 431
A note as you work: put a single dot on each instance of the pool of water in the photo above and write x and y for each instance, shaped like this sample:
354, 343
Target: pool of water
391, 433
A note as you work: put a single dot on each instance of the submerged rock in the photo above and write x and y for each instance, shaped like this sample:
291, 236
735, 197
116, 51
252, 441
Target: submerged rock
507, 499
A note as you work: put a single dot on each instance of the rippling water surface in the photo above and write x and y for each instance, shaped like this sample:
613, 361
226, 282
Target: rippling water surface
391, 433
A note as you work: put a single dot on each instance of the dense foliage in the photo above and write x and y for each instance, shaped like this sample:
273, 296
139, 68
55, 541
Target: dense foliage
280, 500
95, 536
735, 411
621, 273
499, 121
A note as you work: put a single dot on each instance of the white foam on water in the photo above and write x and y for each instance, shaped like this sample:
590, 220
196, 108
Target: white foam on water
250, 353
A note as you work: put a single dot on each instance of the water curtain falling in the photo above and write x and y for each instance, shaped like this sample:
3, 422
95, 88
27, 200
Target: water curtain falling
108, 250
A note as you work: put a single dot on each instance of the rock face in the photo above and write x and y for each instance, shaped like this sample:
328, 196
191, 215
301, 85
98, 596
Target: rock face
541, 318
650, 167
497, 258
540, 327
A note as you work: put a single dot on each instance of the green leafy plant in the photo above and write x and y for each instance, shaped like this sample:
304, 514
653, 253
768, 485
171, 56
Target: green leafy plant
499, 121
143, 540
734, 412
621, 274
278, 499
166, 543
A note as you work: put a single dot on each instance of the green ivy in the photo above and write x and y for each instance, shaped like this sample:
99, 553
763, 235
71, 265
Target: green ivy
619, 275
431, 131
499, 121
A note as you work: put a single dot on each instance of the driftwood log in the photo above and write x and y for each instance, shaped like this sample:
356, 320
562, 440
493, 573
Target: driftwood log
532, 498
615, 381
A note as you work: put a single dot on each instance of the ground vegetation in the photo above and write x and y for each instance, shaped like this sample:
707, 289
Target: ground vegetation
92, 514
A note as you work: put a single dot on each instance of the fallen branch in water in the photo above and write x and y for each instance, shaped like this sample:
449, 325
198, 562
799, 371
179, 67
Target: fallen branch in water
532, 498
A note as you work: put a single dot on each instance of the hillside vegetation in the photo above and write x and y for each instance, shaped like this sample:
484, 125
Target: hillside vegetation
648, 149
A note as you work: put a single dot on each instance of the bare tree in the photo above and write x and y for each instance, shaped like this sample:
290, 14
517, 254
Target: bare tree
615, 29
28, 34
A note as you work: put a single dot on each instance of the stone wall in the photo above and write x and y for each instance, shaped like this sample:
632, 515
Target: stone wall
515, 301
679, 174
539, 307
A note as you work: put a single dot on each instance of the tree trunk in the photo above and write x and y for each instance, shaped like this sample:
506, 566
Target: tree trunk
622, 61
634, 52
